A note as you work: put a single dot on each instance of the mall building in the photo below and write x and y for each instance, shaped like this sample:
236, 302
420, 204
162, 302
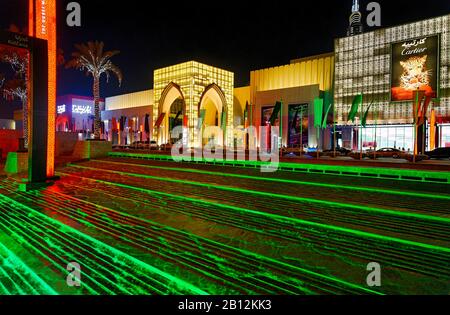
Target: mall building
196, 95
126, 117
75, 113
296, 85
189, 94
385, 66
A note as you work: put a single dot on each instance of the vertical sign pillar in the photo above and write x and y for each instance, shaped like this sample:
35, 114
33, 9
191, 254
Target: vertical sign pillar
42, 25
38, 100
37, 148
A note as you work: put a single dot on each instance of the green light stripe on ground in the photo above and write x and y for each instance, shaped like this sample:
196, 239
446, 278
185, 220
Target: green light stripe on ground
137, 262
165, 227
110, 210
17, 288
100, 228
20, 266
44, 255
248, 253
288, 181
278, 217
3, 289
286, 197
441, 175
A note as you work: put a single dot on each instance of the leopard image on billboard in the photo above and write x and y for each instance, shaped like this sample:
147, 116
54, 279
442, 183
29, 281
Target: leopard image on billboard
415, 66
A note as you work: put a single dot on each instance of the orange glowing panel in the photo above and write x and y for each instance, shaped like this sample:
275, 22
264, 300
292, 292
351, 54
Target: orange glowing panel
31, 17
42, 25
433, 130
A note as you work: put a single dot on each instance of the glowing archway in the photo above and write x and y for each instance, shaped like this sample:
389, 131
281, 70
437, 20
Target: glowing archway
170, 95
214, 94
213, 102
42, 25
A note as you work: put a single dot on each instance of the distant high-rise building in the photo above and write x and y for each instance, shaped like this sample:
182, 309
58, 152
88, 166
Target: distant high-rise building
355, 26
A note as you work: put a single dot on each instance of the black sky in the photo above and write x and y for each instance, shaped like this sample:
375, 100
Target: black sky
239, 36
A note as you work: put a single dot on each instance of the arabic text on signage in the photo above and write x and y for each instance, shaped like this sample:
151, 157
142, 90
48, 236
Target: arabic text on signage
44, 17
412, 48
61, 109
19, 41
81, 109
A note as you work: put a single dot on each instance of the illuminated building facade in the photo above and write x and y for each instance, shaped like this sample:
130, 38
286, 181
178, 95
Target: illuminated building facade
136, 110
369, 63
365, 64
296, 85
190, 92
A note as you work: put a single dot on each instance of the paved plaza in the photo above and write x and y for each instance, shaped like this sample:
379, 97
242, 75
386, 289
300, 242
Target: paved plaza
156, 227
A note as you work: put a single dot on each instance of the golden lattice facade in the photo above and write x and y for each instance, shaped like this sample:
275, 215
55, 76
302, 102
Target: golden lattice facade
363, 65
297, 83
302, 72
192, 80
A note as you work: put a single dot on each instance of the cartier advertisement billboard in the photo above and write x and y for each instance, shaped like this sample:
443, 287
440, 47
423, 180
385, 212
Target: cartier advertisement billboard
415, 66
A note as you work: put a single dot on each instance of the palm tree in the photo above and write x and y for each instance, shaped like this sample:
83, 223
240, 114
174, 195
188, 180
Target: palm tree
91, 58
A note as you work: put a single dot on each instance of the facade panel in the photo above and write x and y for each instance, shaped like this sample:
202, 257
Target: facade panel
363, 65
192, 78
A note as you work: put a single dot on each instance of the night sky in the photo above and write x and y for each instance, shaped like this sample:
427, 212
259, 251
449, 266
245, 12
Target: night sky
239, 36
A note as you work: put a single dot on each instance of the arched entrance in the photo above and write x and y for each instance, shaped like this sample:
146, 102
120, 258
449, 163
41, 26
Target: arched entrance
211, 107
172, 106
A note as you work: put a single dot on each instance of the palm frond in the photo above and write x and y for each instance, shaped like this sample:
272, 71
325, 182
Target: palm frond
117, 72
92, 58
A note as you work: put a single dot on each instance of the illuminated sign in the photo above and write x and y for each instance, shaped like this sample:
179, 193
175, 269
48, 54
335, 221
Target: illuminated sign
61, 109
81, 109
42, 24
415, 66
298, 125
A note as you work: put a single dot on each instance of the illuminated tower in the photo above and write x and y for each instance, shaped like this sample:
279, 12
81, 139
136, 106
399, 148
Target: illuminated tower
356, 26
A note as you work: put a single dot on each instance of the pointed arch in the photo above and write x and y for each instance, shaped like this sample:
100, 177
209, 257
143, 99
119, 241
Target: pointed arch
214, 93
171, 93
